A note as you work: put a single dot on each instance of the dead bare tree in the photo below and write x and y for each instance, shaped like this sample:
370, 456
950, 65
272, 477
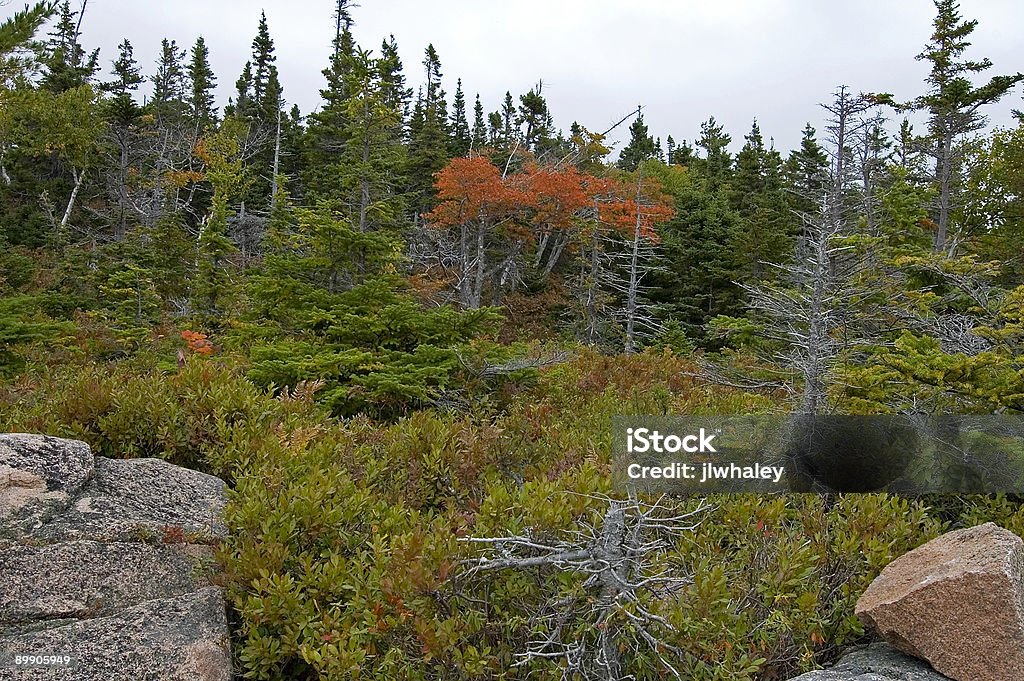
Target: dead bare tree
845, 123
592, 287
814, 310
810, 307
624, 563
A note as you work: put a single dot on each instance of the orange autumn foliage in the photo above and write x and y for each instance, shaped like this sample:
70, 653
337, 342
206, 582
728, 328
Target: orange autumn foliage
471, 189
618, 206
198, 343
545, 199
554, 196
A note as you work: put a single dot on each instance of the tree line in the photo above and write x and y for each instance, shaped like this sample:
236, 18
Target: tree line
873, 267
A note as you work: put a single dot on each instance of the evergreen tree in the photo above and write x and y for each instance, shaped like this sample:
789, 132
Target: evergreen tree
392, 82
266, 87
125, 70
679, 154
356, 155
169, 81
17, 31
907, 154
240, 105
428, 136
716, 164
952, 102
202, 83
763, 233
509, 133
461, 139
123, 115
640, 148
479, 135
806, 173
326, 138
260, 100
122, 106
65, 64
368, 170
494, 128
748, 180
696, 280
221, 155
535, 120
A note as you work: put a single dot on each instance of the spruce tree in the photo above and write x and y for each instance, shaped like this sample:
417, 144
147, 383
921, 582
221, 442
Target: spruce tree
479, 135
494, 128
260, 101
240, 105
428, 136
806, 172
535, 121
953, 103
716, 164
122, 106
371, 161
266, 86
65, 64
202, 83
696, 280
221, 155
125, 70
640, 148
679, 154
748, 181
326, 138
169, 81
509, 131
392, 81
123, 115
461, 139
764, 231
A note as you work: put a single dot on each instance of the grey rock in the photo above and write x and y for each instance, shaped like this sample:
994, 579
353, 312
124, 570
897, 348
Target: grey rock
38, 477
878, 662
141, 499
108, 562
82, 579
172, 639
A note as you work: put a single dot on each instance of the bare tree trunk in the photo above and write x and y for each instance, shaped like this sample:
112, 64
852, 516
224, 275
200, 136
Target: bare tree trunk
122, 198
480, 273
561, 241
634, 275
79, 177
591, 330
277, 161
813, 388
542, 244
4, 176
612, 543
944, 171
465, 289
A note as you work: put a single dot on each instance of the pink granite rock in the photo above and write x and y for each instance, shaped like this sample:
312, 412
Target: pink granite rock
956, 602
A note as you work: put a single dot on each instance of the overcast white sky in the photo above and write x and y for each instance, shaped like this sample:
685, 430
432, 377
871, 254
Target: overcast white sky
684, 60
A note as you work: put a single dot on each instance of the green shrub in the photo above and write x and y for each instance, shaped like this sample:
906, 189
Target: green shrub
345, 557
